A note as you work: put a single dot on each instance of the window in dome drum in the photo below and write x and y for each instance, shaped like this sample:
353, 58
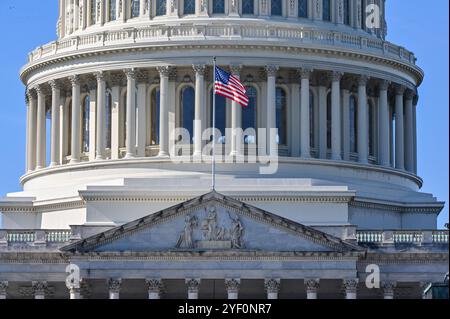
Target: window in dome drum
303, 8
135, 8
189, 6
347, 12
276, 8
160, 7
112, 10
248, 6
218, 6
326, 7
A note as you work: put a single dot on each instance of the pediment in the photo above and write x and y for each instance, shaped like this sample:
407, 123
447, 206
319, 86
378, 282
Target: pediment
212, 222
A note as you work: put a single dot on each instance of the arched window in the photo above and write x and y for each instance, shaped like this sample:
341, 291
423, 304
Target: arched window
276, 8
347, 12
248, 7
112, 10
134, 8
353, 125
189, 7
218, 6
85, 124
154, 117
187, 117
312, 121
329, 121
108, 118
160, 7
221, 114
281, 115
326, 10
93, 11
303, 8
249, 113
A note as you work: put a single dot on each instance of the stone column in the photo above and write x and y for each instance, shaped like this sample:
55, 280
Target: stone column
272, 287
116, 80
74, 293
232, 287
199, 107
399, 129
388, 289
323, 147
76, 120
304, 114
3, 288
92, 86
164, 111
141, 139
155, 287
31, 130
114, 287
101, 116
130, 142
193, 287
41, 139
414, 111
143, 8
336, 143
39, 288
55, 129
346, 122
201, 8
384, 124
295, 113
350, 286
312, 285
236, 118
271, 104
409, 131
363, 130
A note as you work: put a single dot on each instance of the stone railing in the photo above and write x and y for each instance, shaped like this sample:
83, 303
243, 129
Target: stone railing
34, 237
156, 33
402, 236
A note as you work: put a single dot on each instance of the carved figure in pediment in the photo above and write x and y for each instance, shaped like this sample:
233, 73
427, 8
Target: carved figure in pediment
236, 232
185, 239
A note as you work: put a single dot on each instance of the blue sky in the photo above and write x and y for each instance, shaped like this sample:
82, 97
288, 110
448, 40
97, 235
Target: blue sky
415, 24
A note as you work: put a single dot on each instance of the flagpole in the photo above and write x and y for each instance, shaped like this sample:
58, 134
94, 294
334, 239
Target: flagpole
213, 168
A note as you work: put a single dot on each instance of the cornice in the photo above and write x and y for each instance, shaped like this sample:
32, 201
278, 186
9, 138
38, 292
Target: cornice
429, 208
36, 207
404, 257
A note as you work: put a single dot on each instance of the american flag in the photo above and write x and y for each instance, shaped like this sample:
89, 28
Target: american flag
230, 87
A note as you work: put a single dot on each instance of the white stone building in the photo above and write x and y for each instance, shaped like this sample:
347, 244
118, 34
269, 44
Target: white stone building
115, 201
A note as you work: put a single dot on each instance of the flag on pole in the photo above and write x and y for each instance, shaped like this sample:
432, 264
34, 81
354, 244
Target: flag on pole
230, 87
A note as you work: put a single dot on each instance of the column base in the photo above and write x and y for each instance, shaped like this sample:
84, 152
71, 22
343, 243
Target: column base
129, 156
74, 161
100, 158
163, 154
336, 157
53, 164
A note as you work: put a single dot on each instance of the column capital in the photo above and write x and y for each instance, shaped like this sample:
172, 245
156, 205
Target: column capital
399, 89
74, 79
142, 76
410, 94
154, 285
236, 69
163, 70
31, 93
39, 89
271, 70
3, 287
193, 284
336, 76
199, 69
272, 285
55, 85
130, 74
305, 73
350, 285
114, 284
39, 287
312, 284
100, 76
232, 285
363, 79
383, 85
388, 288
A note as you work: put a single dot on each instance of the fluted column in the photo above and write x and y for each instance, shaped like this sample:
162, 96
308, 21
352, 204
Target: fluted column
31, 130
350, 287
272, 287
388, 289
114, 285
101, 117
41, 138
130, 141
414, 111
141, 139
409, 131
312, 285
346, 122
199, 107
336, 142
193, 287
271, 104
305, 114
55, 126
232, 287
155, 287
384, 124
3, 288
399, 129
39, 288
76, 120
236, 118
363, 130
323, 147
164, 111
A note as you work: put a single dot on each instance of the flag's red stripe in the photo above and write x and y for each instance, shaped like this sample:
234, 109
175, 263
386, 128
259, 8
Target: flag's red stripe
227, 96
233, 94
231, 86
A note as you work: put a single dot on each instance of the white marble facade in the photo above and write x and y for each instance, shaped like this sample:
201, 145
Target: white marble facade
111, 197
